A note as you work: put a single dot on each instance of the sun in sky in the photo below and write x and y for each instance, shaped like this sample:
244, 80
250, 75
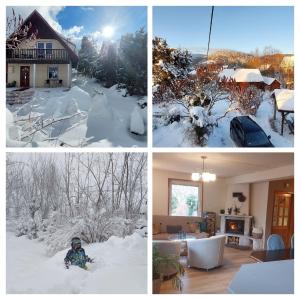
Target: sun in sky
108, 31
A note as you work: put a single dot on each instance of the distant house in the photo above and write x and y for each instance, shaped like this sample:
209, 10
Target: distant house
287, 69
271, 83
242, 77
287, 64
42, 62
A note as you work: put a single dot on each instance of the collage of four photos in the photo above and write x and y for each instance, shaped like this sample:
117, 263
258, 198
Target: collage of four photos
221, 77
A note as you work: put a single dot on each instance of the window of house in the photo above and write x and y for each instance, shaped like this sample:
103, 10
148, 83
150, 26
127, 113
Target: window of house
184, 198
53, 72
44, 48
48, 48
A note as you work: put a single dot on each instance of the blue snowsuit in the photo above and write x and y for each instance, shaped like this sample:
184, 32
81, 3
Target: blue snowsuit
77, 257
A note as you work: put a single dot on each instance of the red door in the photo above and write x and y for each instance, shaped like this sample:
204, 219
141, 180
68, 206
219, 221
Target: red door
24, 76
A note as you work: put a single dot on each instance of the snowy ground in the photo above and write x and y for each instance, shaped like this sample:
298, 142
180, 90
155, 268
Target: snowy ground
85, 115
179, 134
120, 267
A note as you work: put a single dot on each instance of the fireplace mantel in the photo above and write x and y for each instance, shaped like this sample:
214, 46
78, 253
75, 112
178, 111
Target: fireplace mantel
235, 216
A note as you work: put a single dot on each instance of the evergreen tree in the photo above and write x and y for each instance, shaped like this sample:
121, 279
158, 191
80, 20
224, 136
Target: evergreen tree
132, 72
87, 57
107, 64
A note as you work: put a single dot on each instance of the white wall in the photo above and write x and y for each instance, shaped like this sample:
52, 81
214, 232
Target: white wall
259, 202
267, 175
215, 193
231, 202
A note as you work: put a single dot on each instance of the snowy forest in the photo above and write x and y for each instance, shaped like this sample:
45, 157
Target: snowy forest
95, 196
123, 63
100, 198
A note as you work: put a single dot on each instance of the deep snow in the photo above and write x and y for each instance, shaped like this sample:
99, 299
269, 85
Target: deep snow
86, 115
120, 267
180, 134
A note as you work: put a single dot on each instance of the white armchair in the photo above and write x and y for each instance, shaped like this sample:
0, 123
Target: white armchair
206, 253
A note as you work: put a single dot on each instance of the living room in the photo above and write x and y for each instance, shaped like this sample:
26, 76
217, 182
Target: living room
216, 215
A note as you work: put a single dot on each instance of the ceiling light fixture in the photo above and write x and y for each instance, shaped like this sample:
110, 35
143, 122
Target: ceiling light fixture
204, 176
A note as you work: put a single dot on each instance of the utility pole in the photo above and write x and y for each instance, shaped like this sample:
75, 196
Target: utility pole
211, 19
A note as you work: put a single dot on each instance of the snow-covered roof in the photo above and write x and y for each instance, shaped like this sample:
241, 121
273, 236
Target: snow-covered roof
193, 72
284, 99
242, 75
268, 80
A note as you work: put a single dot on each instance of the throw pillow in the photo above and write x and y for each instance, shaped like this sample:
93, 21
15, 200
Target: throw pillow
194, 227
155, 228
173, 228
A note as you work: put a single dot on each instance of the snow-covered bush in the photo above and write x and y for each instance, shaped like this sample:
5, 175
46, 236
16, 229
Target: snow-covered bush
93, 196
201, 121
28, 228
248, 98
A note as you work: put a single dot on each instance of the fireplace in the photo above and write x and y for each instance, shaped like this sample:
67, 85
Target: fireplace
234, 226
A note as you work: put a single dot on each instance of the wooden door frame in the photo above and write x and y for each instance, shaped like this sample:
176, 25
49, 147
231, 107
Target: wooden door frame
290, 226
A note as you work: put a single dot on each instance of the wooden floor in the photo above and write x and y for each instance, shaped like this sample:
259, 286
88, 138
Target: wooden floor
215, 281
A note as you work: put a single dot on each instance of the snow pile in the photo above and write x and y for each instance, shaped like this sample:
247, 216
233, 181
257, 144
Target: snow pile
199, 116
120, 267
136, 122
86, 115
100, 118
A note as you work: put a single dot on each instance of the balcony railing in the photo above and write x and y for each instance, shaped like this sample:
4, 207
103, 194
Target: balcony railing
52, 56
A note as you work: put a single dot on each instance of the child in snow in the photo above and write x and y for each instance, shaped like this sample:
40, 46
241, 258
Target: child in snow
76, 256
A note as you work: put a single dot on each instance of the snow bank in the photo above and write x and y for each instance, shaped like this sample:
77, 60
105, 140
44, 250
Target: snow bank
120, 267
136, 122
100, 119
86, 115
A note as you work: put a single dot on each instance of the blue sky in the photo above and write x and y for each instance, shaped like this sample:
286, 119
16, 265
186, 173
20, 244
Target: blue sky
76, 21
94, 19
238, 28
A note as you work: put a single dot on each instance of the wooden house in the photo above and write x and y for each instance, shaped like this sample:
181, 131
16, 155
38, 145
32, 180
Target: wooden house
241, 77
45, 61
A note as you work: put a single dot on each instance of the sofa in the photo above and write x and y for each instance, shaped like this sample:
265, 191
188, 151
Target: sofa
166, 226
206, 253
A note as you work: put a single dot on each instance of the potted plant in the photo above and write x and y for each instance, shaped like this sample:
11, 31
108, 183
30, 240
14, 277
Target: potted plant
159, 262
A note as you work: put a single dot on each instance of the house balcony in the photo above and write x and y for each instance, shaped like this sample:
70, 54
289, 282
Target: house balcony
37, 56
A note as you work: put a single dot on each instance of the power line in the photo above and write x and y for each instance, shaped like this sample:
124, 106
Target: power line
211, 19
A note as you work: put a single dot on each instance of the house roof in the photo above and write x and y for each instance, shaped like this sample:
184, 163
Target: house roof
46, 31
242, 75
193, 72
284, 99
269, 80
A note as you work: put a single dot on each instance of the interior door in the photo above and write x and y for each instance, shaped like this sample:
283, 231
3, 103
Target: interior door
283, 216
24, 76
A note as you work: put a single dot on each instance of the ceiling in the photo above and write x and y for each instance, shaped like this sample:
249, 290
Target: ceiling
222, 164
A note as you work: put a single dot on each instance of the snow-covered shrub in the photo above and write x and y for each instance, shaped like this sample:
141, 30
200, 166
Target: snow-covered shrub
248, 98
201, 121
141, 227
28, 228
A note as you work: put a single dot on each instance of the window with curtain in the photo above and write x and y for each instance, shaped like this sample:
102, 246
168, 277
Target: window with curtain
184, 198
53, 72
